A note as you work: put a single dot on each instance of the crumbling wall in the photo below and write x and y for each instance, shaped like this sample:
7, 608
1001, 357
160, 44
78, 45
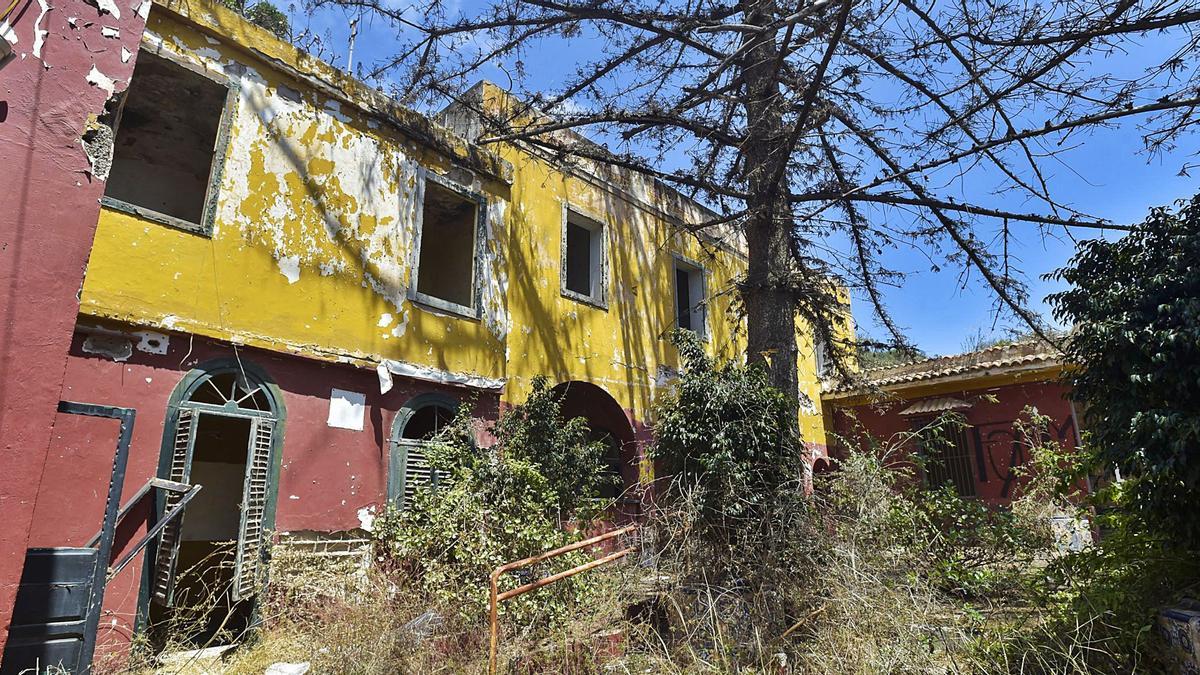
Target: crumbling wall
61, 61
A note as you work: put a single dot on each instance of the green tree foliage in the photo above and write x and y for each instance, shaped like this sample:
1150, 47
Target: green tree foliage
736, 472
881, 356
725, 432
264, 14
1135, 306
495, 505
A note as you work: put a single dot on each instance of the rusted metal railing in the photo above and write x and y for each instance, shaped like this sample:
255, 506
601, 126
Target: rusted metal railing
497, 597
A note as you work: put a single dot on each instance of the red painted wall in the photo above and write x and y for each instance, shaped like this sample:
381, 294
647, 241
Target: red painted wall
993, 421
327, 474
48, 212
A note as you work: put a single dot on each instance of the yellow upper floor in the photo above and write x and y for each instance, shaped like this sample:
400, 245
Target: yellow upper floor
259, 196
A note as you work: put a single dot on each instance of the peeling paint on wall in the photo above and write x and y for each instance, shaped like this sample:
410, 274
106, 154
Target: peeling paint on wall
99, 79
329, 202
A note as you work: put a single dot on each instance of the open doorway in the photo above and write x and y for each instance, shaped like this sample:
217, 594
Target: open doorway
203, 609
207, 569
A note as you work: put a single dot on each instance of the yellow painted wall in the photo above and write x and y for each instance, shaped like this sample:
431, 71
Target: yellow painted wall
314, 231
622, 348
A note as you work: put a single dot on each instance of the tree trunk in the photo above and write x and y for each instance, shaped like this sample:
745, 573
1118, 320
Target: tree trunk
767, 292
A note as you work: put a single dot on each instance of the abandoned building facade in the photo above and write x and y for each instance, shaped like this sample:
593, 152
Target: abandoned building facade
960, 414
294, 282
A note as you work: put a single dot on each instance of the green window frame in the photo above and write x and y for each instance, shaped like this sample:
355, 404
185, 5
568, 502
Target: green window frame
220, 150
408, 467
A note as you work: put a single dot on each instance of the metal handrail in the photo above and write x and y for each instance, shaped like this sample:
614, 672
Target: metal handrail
188, 491
496, 597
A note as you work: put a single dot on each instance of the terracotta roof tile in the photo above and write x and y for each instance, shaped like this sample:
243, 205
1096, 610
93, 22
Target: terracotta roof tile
1016, 356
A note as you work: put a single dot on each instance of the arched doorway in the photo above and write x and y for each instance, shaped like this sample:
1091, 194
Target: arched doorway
421, 418
224, 431
608, 424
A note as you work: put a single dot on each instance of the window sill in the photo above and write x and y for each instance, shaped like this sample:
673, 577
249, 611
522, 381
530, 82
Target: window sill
152, 215
584, 299
429, 302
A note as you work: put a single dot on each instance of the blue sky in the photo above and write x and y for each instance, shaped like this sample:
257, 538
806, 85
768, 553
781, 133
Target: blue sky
1106, 175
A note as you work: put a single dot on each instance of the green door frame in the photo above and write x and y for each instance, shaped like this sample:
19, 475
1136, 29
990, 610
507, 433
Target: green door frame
188, 386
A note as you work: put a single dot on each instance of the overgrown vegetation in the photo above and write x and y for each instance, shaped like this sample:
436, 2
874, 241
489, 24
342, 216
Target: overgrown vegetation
505, 502
748, 564
1135, 305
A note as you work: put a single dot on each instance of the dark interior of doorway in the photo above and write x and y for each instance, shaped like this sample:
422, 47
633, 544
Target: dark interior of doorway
202, 613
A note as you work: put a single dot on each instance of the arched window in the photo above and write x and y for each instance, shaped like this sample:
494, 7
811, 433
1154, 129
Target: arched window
416, 423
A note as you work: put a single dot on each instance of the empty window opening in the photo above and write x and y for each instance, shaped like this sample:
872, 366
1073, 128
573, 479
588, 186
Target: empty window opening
583, 259
612, 472
446, 265
427, 422
166, 140
689, 297
946, 454
410, 470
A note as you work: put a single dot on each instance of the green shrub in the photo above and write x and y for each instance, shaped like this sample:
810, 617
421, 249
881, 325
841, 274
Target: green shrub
723, 437
495, 505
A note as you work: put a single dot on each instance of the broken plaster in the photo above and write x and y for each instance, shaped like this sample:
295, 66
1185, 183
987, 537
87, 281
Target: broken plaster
39, 34
99, 79
7, 32
97, 144
114, 347
439, 376
106, 7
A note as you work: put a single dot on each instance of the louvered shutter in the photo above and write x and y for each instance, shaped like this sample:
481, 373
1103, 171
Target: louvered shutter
254, 504
163, 586
415, 472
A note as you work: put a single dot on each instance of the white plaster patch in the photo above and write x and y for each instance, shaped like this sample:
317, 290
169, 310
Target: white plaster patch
125, 56
7, 32
151, 342
366, 518
385, 320
110, 31
293, 497
335, 108
401, 328
39, 34
108, 7
99, 79
494, 290
347, 409
289, 266
329, 268
152, 39
143, 9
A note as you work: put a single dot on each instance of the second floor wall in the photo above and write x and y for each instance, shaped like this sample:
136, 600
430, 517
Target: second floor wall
301, 212
301, 231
